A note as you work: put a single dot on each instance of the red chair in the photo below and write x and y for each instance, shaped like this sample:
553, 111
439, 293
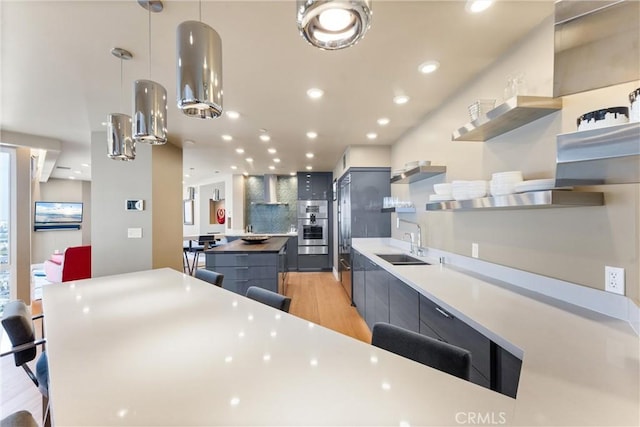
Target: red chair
75, 264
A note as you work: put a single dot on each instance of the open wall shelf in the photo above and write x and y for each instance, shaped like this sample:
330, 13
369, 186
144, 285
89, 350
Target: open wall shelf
530, 200
418, 174
513, 113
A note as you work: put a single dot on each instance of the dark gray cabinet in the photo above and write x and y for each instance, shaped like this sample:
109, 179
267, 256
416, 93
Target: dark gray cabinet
358, 279
507, 372
369, 187
381, 297
292, 254
244, 270
376, 294
315, 185
404, 305
454, 331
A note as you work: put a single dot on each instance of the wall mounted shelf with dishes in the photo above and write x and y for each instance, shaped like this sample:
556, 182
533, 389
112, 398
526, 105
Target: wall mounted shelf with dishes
399, 210
530, 200
511, 114
609, 155
418, 174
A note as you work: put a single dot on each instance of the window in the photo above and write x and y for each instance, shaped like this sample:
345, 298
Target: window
6, 182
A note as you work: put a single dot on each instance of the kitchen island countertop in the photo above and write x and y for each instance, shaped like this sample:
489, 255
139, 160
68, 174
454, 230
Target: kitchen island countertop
273, 244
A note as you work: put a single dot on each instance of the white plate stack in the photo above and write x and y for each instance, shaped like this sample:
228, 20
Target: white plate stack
466, 190
535, 185
443, 193
503, 183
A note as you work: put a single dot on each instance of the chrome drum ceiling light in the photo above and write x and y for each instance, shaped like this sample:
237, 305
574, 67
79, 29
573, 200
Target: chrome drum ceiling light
120, 144
199, 70
149, 99
333, 24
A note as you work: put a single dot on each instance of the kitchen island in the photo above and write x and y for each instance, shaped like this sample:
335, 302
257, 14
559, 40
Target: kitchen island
245, 264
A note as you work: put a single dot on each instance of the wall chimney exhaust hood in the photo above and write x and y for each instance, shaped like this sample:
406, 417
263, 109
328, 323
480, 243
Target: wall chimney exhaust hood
270, 193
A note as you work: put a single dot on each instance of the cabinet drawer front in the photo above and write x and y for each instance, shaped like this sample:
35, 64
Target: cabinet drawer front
456, 332
404, 306
426, 330
234, 273
241, 260
263, 272
477, 378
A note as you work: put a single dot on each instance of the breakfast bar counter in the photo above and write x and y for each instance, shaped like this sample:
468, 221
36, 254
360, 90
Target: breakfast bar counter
272, 244
160, 347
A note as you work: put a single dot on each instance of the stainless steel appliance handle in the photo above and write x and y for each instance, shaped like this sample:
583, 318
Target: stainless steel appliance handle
345, 265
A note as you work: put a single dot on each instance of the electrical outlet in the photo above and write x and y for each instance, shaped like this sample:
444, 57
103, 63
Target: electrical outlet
474, 250
614, 280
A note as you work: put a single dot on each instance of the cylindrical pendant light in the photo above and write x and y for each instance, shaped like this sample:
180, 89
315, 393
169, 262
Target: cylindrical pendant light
120, 144
149, 112
199, 70
333, 24
149, 99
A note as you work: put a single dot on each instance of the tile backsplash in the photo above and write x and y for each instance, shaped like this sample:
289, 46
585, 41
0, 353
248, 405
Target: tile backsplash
271, 218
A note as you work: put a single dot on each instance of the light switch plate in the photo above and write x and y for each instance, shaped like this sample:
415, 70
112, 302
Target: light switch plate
134, 233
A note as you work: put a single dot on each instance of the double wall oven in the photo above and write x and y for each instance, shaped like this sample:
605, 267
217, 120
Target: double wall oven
313, 227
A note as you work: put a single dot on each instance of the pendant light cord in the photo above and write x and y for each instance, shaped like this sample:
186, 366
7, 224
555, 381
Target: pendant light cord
149, 13
200, 10
121, 85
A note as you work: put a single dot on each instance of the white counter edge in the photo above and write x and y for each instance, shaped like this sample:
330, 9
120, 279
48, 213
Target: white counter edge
612, 305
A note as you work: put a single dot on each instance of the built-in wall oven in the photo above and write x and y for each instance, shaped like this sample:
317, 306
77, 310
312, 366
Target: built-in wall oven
313, 227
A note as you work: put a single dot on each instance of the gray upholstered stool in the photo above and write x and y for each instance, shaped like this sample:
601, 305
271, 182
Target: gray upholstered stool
273, 299
428, 351
209, 276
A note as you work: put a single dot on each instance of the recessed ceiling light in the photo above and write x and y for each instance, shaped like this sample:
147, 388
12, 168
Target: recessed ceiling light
477, 6
227, 137
315, 93
383, 121
312, 135
372, 135
292, 173
188, 141
249, 159
234, 167
186, 175
245, 173
276, 160
428, 67
232, 114
77, 172
401, 99
309, 155
239, 150
72, 177
104, 123
264, 137
86, 165
309, 167
272, 167
272, 151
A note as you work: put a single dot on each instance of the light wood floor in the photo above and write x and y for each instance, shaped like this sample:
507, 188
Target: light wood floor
316, 297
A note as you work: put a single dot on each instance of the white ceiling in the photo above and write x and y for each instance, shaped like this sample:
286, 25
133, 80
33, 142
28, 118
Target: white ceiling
60, 81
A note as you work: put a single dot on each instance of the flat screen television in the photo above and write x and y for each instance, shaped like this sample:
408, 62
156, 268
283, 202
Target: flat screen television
49, 213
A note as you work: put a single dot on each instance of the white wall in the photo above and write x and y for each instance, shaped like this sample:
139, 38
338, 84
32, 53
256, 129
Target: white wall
572, 244
155, 176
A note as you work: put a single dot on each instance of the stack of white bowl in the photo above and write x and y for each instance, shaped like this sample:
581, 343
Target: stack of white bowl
465, 190
443, 192
503, 183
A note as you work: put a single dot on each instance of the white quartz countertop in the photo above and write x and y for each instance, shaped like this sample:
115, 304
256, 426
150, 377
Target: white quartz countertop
162, 348
578, 367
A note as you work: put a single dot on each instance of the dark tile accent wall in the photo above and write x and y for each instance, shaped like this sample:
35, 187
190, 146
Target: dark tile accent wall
271, 218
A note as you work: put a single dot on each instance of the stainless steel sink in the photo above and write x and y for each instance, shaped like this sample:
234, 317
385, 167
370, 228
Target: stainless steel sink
401, 259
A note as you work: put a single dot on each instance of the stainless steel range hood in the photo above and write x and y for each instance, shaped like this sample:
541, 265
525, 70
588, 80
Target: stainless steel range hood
270, 191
